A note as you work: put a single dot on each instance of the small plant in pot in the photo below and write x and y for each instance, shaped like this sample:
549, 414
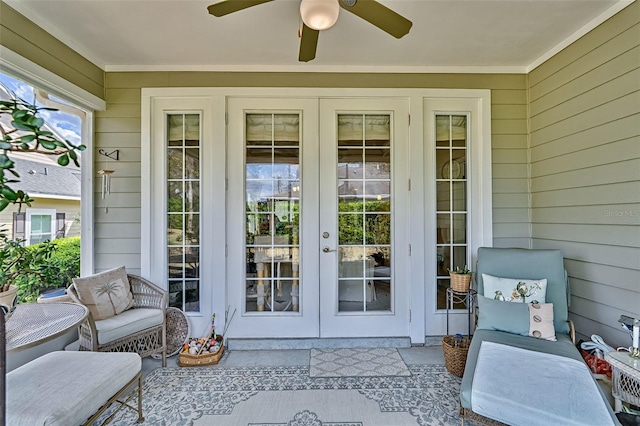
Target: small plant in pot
460, 278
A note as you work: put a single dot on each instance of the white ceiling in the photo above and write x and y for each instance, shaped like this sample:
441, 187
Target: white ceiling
447, 35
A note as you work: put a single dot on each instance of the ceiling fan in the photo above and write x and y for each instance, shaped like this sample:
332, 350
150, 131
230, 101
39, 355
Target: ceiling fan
318, 15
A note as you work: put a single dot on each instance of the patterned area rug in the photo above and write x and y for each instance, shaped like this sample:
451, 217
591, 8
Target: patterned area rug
361, 362
289, 396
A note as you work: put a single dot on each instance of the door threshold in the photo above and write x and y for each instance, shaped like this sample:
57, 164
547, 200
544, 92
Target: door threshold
317, 343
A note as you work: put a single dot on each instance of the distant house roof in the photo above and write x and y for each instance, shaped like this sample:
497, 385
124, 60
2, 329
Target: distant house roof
40, 175
47, 180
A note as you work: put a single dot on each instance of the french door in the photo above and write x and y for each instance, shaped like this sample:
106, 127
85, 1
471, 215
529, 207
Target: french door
291, 207
363, 216
317, 216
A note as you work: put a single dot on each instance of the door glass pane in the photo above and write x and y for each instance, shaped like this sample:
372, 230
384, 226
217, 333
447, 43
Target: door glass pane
272, 215
183, 210
451, 200
364, 213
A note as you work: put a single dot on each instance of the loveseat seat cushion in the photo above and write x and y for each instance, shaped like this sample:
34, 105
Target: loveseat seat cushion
66, 388
127, 323
562, 347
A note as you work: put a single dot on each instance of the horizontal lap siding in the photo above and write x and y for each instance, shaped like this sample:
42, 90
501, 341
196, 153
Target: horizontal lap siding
119, 128
117, 216
23, 37
584, 118
509, 169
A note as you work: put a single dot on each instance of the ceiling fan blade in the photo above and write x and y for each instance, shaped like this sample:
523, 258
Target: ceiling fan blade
226, 7
308, 44
380, 16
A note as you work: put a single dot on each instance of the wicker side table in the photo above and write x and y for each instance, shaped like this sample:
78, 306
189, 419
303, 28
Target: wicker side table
625, 378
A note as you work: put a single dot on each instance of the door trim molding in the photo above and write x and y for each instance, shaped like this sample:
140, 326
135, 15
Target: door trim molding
420, 271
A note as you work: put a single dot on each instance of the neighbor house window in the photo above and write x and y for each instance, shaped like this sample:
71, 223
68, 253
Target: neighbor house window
38, 225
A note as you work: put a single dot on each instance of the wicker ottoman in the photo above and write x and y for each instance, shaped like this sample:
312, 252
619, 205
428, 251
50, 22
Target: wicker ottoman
70, 388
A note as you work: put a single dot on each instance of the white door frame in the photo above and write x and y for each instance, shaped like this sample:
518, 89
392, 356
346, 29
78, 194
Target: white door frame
422, 238
373, 323
303, 323
479, 199
153, 206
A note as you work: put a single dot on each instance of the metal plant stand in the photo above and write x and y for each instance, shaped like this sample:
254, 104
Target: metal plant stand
467, 298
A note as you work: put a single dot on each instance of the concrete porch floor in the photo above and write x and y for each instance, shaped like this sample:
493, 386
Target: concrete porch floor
293, 357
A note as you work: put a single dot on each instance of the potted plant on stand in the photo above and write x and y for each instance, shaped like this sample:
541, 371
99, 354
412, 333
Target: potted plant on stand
460, 279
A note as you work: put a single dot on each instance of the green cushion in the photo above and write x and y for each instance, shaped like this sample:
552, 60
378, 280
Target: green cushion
503, 316
563, 347
525, 319
529, 264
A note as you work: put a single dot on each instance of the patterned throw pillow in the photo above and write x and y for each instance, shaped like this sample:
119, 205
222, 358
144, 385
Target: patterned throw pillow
541, 321
525, 319
514, 290
105, 294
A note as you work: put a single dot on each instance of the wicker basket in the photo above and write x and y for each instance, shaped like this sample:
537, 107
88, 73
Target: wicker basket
460, 282
455, 356
188, 360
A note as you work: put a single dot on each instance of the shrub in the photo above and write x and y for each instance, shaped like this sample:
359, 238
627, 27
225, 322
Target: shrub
56, 271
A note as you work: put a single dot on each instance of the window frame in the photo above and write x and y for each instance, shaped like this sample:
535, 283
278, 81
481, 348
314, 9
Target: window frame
39, 212
40, 77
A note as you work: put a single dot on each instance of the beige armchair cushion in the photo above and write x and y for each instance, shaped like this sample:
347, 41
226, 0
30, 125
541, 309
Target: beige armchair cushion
127, 323
105, 294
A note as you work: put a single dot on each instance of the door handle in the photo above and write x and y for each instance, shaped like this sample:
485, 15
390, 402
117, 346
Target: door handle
326, 249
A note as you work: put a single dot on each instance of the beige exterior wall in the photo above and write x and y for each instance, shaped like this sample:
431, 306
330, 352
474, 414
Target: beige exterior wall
25, 38
70, 208
585, 170
117, 232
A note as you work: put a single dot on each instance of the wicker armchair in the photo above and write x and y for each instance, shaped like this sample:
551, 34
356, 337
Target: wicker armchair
145, 341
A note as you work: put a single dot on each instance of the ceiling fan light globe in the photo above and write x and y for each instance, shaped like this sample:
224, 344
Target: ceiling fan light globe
319, 14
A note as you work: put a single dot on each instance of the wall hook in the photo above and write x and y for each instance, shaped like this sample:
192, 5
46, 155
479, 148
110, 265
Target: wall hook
114, 155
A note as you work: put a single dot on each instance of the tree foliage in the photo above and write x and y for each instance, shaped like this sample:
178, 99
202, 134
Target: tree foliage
26, 133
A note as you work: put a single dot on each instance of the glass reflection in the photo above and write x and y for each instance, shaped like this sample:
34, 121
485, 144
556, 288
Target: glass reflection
377, 229
350, 162
183, 210
364, 185
378, 190
192, 163
350, 229
272, 215
174, 196
259, 163
174, 163
377, 130
192, 196
451, 199
459, 193
350, 129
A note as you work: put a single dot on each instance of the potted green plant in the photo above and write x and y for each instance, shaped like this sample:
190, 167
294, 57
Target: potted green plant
26, 132
460, 278
20, 264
